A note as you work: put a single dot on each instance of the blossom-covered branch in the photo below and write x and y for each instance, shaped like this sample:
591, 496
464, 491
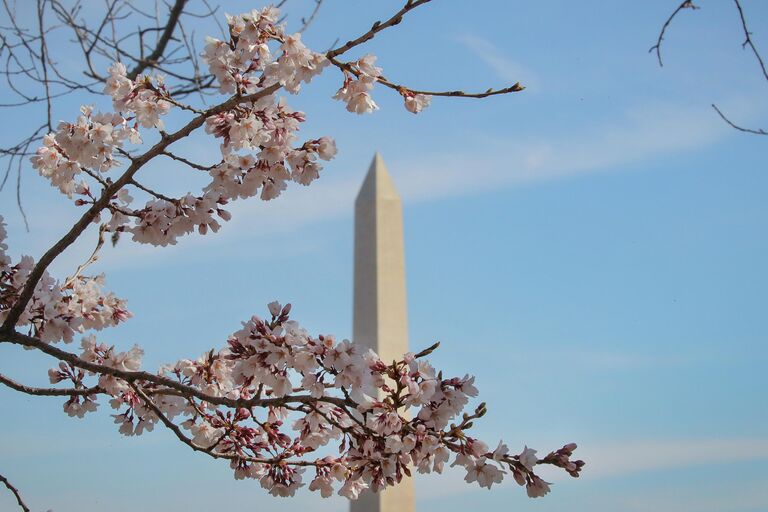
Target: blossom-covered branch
272, 399
387, 419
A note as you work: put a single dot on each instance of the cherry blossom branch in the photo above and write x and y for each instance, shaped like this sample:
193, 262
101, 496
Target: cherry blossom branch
348, 67
95, 176
386, 417
142, 376
216, 455
137, 163
686, 4
15, 492
376, 28
169, 424
29, 390
392, 21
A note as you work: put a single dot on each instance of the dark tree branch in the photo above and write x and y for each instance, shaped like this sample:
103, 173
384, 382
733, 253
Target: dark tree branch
740, 128
377, 27
170, 26
171, 386
748, 39
306, 22
687, 4
188, 162
29, 390
15, 492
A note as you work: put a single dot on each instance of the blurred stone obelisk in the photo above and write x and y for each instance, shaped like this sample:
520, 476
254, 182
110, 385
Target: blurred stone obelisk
380, 320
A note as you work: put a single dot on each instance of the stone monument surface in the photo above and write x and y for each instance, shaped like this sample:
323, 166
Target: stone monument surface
380, 317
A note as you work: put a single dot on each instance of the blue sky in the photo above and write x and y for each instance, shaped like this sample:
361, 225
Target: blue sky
592, 249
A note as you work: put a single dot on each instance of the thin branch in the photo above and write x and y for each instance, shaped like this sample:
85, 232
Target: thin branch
29, 390
44, 60
93, 257
377, 27
151, 192
687, 4
18, 189
170, 26
188, 162
349, 68
748, 41
142, 376
216, 455
758, 131
15, 492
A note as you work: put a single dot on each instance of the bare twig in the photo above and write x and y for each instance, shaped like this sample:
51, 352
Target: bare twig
687, 4
15, 492
44, 60
151, 192
306, 22
748, 39
93, 257
377, 27
740, 128
162, 43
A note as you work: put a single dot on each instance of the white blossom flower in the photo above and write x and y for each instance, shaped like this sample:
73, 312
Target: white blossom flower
484, 474
528, 458
537, 487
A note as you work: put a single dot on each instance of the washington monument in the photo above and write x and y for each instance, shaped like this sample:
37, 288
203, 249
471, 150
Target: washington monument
380, 318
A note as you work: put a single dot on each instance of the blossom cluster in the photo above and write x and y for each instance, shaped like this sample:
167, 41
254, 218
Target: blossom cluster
236, 62
360, 77
146, 98
258, 135
259, 153
274, 395
57, 311
87, 144
355, 91
274, 399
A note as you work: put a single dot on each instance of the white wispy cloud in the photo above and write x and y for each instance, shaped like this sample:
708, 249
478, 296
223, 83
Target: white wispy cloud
610, 459
733, 497
508, 70
645, 133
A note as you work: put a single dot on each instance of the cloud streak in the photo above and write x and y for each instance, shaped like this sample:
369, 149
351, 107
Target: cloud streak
507, 69
645, 133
